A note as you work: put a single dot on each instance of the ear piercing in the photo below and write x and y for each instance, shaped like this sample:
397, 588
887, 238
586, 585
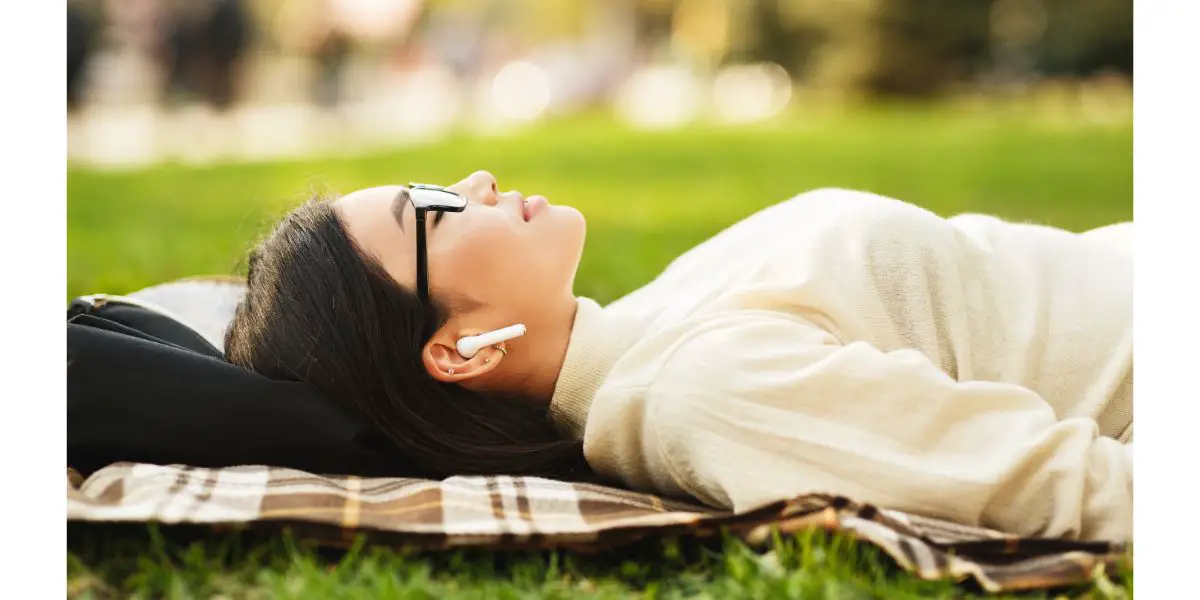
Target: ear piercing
486, 360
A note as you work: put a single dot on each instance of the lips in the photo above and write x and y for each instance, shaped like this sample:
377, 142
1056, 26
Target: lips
534, 205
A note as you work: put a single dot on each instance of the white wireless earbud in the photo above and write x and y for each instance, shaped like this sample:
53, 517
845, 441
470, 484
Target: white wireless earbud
468, 346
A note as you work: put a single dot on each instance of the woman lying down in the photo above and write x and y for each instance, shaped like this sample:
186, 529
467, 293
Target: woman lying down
967, 368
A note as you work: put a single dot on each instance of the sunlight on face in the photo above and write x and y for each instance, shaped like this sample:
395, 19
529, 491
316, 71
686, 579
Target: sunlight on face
504, 249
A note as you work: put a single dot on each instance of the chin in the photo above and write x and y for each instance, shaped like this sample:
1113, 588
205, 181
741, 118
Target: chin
579, 232
572, 215
563, 211
570, 234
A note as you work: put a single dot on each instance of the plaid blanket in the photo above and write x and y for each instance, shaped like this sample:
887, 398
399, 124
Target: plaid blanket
528, 512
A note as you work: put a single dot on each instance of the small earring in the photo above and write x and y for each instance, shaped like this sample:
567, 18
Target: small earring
487, 360
450, 371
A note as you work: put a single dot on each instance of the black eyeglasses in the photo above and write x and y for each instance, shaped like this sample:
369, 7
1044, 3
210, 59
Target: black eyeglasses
425, 198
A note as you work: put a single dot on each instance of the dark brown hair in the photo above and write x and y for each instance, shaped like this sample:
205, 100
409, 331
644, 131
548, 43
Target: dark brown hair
318, 310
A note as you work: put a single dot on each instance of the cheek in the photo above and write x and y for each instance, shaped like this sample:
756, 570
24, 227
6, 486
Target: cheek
498, 263
483, 261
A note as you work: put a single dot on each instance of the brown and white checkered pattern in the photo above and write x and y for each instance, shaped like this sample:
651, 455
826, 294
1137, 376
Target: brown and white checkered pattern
527, 512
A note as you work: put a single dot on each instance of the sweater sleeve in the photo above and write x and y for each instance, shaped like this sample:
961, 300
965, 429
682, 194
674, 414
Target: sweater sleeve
793, 411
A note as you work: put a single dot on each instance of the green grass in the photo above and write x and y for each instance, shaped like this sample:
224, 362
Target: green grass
143, 562
648, 197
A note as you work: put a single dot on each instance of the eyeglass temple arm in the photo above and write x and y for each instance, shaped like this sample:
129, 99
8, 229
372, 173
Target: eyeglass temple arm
422, 276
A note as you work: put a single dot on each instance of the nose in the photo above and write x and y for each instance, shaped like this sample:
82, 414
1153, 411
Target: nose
482, 187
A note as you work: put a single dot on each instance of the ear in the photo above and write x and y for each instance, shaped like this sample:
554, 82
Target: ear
440, 356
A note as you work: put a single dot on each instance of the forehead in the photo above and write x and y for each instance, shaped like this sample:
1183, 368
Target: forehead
368, 200
367, 216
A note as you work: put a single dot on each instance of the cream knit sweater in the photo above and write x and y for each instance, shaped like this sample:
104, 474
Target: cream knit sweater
843, 342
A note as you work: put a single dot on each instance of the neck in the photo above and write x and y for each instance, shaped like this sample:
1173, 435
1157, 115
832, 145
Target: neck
547, 351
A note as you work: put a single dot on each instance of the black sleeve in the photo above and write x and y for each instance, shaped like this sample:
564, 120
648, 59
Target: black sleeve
159, 393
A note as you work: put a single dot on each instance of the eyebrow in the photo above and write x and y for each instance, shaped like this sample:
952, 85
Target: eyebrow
401, 203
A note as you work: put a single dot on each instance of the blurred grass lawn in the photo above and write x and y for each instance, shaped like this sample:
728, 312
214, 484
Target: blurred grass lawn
648, 197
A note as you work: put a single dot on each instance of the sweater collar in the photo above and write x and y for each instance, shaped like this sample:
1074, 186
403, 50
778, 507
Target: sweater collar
594, 347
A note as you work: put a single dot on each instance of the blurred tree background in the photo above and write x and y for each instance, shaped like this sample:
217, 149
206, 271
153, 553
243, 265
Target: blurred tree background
924, 48
309, 74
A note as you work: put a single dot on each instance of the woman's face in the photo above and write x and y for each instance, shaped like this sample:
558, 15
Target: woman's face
489, 252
